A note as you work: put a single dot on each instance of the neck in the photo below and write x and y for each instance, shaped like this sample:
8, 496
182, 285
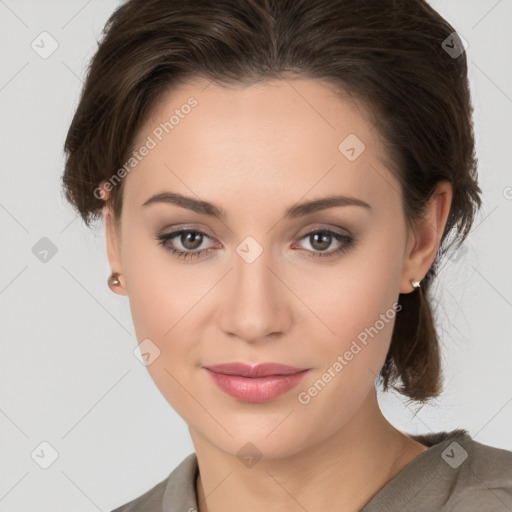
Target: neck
345, 470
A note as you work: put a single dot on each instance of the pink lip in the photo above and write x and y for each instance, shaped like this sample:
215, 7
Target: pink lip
260, 383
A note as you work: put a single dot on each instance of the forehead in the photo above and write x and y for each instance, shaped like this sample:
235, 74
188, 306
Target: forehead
274, 137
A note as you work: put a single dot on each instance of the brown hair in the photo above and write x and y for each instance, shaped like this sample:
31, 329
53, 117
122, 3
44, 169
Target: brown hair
400, 58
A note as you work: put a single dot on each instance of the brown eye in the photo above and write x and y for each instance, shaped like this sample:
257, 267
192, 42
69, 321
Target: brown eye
191, 239
321, 240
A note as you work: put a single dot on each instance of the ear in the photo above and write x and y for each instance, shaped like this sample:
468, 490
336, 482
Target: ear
425, 237
113, 243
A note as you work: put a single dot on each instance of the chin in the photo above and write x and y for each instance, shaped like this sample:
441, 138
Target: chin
251, 443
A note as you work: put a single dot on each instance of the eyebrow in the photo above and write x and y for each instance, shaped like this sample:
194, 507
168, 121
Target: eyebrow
298, 210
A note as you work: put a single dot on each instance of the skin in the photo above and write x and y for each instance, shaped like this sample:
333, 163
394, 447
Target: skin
255, 151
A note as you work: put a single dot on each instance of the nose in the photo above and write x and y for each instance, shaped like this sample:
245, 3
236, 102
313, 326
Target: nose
255, 303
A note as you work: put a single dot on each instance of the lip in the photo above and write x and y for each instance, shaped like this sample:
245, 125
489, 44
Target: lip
260, 383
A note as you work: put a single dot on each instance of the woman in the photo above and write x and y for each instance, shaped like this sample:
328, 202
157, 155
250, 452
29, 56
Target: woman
278, 181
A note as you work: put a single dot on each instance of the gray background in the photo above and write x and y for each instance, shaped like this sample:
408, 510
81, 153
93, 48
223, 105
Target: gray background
68, 376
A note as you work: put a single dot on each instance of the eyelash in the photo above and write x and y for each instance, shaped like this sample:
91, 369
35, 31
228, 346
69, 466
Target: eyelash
164, 240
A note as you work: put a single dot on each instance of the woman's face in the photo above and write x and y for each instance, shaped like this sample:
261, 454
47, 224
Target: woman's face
273, 283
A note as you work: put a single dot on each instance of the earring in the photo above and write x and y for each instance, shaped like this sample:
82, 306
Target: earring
113, 279
416, 284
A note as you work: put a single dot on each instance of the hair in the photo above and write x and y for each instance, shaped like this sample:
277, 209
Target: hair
389, 55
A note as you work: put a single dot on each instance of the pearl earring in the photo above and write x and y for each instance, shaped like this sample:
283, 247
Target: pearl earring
113, 279
415, 284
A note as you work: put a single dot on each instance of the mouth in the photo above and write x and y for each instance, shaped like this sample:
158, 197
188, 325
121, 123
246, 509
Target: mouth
261, 383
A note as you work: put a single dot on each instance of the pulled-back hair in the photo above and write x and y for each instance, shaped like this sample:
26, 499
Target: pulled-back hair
399, 58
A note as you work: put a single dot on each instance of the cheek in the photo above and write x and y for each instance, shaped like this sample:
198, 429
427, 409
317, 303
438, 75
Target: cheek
164, 308
355, 304
352, 295
166, 301
154, 286
359, 307
159, 301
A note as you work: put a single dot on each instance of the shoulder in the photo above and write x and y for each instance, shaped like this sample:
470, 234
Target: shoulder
457, 447
468, 475
151, 500
175, 492
455, 474
482, 475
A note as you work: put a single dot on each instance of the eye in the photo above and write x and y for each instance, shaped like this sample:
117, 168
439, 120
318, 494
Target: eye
189, 239
322, 239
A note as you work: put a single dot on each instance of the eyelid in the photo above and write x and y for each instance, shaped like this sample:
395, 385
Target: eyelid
319, 226
315, 228
345, 239
175, 233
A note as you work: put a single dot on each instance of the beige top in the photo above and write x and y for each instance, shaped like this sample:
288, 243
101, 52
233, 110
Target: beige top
455, 474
